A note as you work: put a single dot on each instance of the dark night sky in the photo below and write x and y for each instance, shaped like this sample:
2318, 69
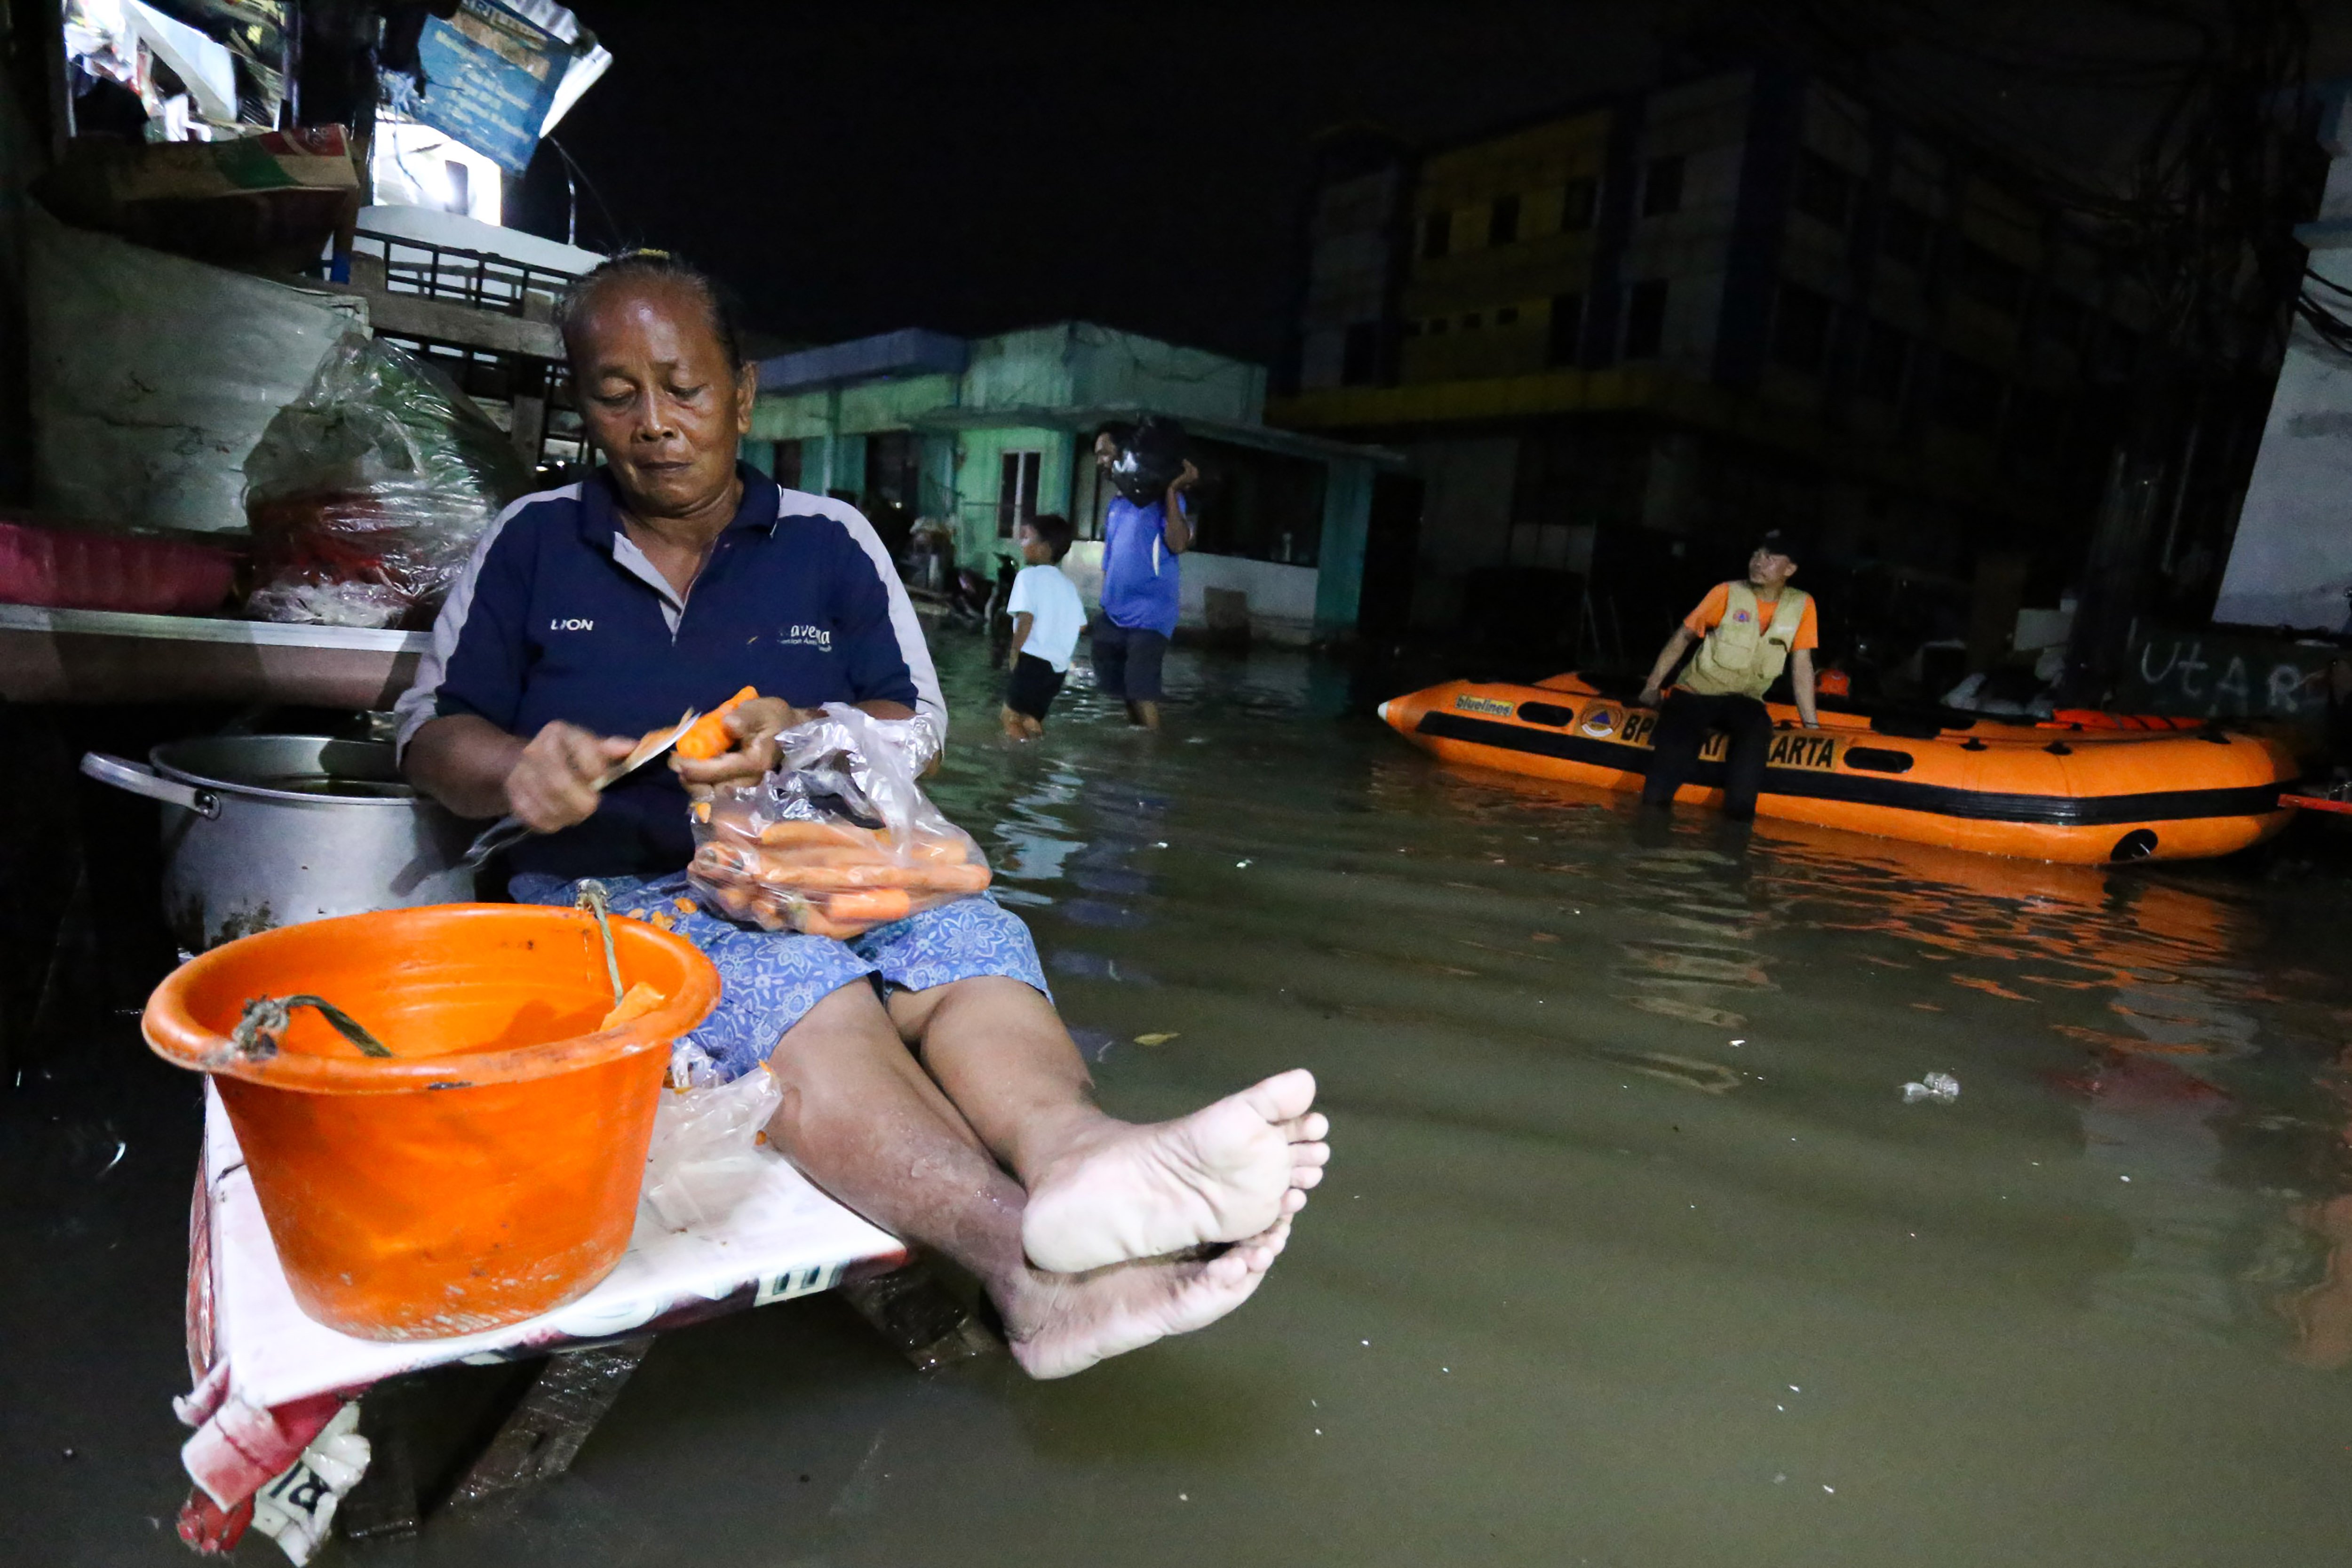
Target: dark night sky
855, 168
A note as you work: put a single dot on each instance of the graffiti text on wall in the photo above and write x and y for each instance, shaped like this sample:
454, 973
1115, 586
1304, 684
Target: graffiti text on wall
2227, 678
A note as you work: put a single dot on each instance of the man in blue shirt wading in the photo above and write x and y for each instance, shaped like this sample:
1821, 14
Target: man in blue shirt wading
1147, 528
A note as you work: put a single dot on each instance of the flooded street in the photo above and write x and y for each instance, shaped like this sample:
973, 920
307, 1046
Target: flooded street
1632, 1252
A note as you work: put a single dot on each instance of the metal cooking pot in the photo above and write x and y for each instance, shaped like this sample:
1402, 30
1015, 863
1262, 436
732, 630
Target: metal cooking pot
262, 831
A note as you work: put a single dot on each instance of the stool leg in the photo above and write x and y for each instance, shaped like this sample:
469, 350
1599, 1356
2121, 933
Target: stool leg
920, 1316
565, 1401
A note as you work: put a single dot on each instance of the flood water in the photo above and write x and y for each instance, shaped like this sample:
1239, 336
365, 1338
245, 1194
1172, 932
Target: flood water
1632, 1253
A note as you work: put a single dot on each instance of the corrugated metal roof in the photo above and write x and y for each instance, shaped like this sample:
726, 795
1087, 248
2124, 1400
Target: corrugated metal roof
1290, 443
911, 351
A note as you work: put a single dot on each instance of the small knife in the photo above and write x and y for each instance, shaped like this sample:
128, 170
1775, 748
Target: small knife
508, 830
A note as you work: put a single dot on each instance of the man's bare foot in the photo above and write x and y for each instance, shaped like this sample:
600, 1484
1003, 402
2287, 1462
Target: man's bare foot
1228, 1171
1064, 1324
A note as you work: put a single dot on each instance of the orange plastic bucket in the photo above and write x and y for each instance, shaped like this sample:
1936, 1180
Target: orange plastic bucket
489, 1170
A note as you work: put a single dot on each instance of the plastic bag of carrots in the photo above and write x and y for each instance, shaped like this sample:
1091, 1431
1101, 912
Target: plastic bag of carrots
838, 839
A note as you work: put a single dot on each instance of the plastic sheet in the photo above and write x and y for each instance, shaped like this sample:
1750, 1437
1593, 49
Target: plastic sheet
367, 493
153, 376
1936, 1088
840, 838
704, 1158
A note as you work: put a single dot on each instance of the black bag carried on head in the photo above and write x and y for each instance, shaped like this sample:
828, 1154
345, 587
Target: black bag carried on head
1150, 462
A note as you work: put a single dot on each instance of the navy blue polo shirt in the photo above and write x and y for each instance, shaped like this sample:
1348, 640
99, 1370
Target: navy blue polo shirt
560, 616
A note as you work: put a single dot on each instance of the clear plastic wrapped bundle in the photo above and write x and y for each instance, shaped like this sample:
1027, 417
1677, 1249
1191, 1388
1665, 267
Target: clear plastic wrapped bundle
367, 493
839, 838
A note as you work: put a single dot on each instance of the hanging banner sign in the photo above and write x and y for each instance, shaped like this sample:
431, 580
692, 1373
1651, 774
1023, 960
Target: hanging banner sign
489, 76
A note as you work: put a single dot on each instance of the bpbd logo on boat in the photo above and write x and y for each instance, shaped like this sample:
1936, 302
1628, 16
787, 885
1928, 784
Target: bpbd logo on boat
1600, 720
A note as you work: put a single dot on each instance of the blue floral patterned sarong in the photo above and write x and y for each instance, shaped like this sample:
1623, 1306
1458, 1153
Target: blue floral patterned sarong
770, 979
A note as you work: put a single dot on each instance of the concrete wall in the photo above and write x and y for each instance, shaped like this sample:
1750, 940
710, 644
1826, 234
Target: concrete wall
1281, 598
1465, 518
2290, 564
1484, 308
1348, 267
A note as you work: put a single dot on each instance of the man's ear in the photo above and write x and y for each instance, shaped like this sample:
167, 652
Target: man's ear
747, 396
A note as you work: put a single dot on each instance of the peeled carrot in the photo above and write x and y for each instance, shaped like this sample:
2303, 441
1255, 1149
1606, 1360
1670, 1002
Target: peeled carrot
635, 1003
708, 737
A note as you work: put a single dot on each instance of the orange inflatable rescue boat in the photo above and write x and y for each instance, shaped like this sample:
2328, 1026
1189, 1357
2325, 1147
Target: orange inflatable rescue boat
2064, 790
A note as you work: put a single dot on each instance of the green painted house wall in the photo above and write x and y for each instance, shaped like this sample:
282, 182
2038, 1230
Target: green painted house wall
1057, 376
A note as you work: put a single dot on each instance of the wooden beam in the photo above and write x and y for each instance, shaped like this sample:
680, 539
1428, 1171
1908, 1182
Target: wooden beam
570, 1395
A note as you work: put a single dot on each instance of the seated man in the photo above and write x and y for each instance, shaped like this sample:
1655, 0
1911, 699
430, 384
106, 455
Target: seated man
671, 577
1747, 634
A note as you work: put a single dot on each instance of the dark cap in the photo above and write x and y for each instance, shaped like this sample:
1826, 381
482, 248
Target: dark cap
1778, 542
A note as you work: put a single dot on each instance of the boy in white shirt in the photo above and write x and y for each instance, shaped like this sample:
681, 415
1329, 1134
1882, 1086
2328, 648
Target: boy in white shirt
1047, 617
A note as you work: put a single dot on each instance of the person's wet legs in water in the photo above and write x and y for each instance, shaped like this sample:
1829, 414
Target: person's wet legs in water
1747, 632
1146, 528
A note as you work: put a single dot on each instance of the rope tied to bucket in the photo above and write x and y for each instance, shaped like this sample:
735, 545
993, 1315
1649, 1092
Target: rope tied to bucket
266, 1019
594, 898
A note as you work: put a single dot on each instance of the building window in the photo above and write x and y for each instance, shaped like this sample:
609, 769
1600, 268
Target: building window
1801, 329
1661, 186
1646, 319
1968, 395
1471, 323
1576, 202
1885, 358
1823, 190
1436, 233
1508, 315
1908, 235
1563, 344
1503, 221
1016, 490
1360, 356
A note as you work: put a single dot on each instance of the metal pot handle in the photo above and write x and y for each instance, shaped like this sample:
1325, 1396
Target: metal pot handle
125, 774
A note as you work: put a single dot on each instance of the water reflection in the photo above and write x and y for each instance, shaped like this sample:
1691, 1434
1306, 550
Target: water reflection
1622, 1131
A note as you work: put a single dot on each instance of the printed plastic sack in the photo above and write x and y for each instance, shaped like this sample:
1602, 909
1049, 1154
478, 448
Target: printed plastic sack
839, 838
704, 1156
367, 493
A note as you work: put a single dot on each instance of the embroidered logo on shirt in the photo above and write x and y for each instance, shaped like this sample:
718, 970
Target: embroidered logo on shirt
817, 638
1739, 615
574, 625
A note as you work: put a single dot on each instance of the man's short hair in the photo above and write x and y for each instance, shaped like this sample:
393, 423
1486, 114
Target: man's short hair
1121, 431
1055, 530
642, 266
